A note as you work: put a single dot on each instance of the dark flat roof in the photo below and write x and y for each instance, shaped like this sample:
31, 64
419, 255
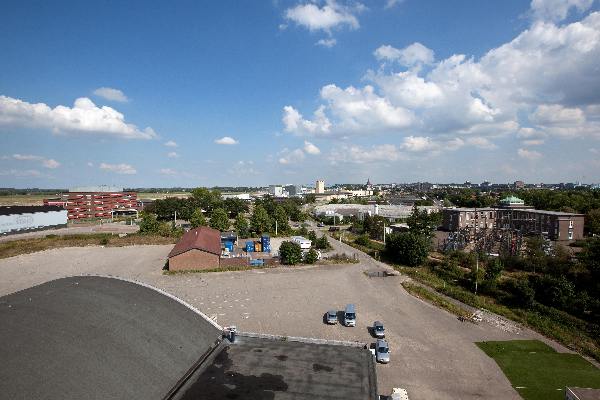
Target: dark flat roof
10, 210
254, 368
96, 338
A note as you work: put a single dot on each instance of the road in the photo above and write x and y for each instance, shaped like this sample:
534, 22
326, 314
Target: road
433, 354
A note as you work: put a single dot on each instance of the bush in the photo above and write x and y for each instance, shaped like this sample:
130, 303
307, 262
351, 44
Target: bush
363, 240
149, 224
311, 256
522, 295
322, 243
408, 248
290, 253
312, 236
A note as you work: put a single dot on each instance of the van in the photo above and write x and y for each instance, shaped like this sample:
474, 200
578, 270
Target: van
350, 315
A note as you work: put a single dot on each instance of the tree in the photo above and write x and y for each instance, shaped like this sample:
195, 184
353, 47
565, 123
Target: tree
290, 253
312, 236
197, 219
206, 199
422, 223
535, 258
242, 226
149, 224
408, 248
235, 206
282, 219
523, 295
592, 222
322, 243
219, 219
311, 256
260, 222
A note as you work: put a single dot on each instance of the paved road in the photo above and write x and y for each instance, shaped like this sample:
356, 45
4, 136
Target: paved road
433, 354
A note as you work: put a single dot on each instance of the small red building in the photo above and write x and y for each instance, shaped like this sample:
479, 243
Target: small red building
199, 248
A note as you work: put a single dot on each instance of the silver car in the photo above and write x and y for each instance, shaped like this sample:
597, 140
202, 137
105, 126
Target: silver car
382, 351
378, 330
331, 317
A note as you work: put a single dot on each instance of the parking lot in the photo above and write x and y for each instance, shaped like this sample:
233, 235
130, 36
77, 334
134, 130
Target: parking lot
433, 354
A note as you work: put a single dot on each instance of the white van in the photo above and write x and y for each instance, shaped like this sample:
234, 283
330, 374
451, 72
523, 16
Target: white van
350, 315
302, 241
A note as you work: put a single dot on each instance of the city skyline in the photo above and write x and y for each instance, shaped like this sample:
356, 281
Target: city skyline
286, 91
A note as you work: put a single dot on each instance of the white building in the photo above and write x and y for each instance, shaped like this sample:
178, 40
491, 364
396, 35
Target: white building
320, 187
14, 219
276, 190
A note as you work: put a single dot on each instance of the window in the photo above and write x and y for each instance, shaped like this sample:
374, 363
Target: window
571, 223
570, 235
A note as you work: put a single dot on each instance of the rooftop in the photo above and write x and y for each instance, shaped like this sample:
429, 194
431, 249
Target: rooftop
201, 238
94, 337
10, 210
256, 368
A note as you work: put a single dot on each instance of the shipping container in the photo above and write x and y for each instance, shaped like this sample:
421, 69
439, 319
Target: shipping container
249, 246
257, 246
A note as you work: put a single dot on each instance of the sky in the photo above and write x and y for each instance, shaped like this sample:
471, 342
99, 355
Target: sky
232, 93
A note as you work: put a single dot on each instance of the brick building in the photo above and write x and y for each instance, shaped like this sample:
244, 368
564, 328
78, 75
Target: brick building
95, 202
513, 214
199, 248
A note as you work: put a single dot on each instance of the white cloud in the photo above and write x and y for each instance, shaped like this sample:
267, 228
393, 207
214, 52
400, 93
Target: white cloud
243, 168
360, 155
557, 10
413, 54
226, 140
170, 143
111, 94
327, 42
418, 143
392, 3
172, 154
529, 154
291, 157
532, 142
122, 169
325, 18
21, 173
546, 77
46, 162
83, 118
310, 148
481, 142
90, 164
167, 171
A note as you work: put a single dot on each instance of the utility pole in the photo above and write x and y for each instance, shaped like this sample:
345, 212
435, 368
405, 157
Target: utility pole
275, 227
384, 233
476, 252
175, 220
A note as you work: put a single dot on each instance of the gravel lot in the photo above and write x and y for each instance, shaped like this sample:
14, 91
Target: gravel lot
111, 227
433, 355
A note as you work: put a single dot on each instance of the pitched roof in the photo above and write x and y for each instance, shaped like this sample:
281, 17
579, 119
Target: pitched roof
201, 238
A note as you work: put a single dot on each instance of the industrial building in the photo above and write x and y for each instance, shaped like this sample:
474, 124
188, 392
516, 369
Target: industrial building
95, 202
17, 219
320, 187
512, 213
390, 212
99, 337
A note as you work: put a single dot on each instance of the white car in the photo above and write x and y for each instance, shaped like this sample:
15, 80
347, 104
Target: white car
382, 351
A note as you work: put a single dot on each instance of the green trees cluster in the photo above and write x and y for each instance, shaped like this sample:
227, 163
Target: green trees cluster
290, 253
408, 248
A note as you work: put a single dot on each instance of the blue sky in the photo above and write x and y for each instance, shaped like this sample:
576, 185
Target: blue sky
191, 94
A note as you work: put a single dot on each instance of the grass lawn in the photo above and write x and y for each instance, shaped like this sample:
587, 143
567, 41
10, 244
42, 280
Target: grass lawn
537, 372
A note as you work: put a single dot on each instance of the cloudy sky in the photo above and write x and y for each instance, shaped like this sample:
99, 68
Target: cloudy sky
161, 94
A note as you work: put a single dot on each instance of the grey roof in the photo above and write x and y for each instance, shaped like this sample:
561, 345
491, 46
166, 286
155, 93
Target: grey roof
11, 210
96, 338
253, 368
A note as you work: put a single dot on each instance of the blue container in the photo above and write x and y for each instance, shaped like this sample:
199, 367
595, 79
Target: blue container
265, 240
257, 262
266, 248
229, 246
249, 246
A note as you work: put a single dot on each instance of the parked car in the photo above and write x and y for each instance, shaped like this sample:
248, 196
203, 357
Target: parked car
320, 225
378, 329
332, 317
382, 351
350, 315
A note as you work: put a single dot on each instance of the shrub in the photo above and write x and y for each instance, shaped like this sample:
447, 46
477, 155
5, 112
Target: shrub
312, 236
522, 295
322, 243
311, 256
363, 240
290, 253
408, 248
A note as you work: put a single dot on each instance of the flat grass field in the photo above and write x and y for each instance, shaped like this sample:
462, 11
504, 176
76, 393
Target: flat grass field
537, 371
